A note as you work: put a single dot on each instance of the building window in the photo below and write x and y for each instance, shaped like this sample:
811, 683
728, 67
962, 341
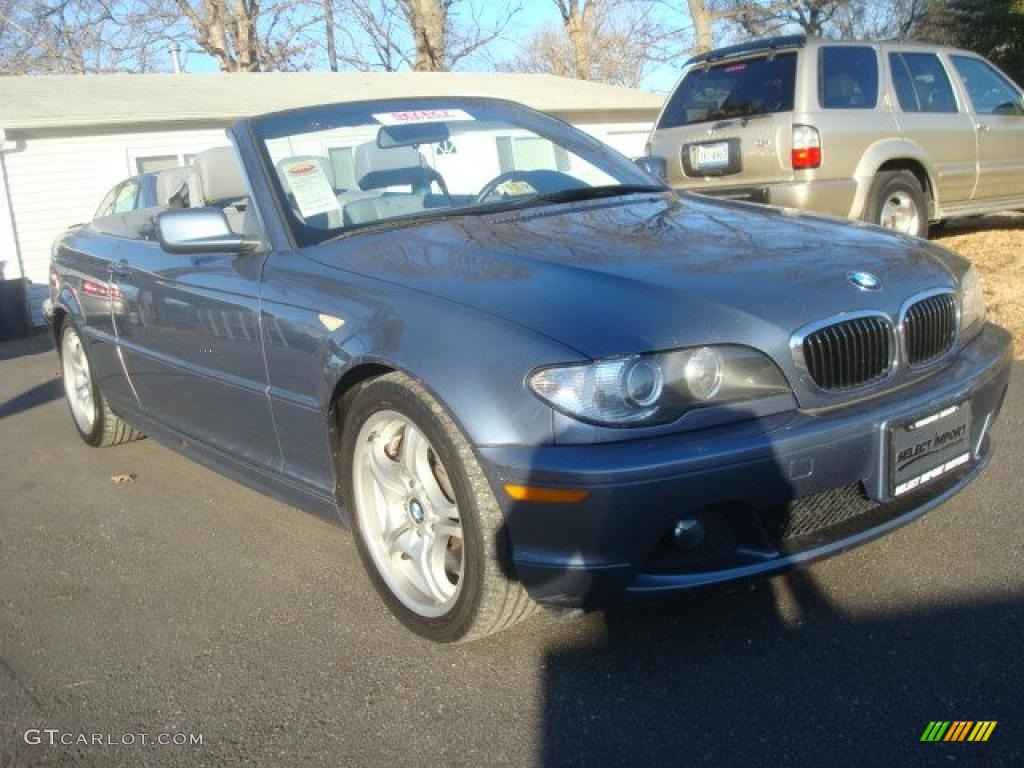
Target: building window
530, 153
154, 163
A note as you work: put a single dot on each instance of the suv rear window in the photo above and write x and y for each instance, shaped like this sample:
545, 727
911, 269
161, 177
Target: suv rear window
729, 89
847, 77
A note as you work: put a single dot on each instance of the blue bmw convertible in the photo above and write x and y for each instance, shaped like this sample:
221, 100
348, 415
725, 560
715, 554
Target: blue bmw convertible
518, 367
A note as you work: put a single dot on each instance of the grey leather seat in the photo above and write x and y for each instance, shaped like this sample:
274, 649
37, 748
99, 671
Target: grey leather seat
377, 168
215, 179
172, 188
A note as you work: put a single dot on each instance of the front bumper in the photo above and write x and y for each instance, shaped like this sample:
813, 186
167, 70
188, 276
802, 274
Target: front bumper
771, 493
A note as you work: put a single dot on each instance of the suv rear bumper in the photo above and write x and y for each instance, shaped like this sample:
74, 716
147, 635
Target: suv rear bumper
835, 197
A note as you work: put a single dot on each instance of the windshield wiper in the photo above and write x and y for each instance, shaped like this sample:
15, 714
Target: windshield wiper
583, 193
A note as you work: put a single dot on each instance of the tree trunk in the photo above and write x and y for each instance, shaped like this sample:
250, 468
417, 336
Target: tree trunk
577, 18
332, 51
703, 26
429, 22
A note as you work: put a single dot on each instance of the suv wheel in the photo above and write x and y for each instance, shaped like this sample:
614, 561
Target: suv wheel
897, 202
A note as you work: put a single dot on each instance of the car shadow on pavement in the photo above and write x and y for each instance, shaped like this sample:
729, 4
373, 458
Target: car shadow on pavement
777, 676
39, 395
37, 343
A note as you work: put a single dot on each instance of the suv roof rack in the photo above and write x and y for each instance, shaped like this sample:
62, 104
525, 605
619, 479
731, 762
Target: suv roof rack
763, 44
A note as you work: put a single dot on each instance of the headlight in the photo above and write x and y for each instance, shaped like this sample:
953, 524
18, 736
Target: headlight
972, 300
657, 388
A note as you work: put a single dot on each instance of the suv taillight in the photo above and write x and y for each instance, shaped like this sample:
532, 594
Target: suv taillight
806, 147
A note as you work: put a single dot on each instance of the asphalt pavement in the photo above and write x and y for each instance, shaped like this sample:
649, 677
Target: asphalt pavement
183, 603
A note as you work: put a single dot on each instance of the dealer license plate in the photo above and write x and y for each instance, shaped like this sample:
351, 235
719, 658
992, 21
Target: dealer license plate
929, 448
710, 155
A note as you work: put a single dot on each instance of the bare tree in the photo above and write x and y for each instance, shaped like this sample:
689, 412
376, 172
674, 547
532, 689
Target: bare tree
611, 41
250, 35
846, 19
422, 35
76, 36
751, 17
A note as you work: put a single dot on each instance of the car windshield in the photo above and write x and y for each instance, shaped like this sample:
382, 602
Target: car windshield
343, 167
747, 88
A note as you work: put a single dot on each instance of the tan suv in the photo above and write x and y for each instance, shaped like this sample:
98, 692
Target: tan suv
898, 134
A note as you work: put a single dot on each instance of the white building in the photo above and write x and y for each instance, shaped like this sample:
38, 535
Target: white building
65, 140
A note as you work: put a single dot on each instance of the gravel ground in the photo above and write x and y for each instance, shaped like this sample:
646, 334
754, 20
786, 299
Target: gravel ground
996, 245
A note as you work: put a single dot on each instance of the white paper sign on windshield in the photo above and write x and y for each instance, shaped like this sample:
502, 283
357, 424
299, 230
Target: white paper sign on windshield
413, 116
310, 188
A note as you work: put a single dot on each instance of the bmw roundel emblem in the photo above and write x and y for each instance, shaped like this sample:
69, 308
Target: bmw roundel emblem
864, 280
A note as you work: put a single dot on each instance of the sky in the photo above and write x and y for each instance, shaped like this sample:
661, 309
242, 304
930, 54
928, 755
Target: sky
533, 16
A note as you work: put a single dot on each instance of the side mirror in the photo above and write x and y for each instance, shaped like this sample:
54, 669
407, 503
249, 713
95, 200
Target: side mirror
655, 166
199, 230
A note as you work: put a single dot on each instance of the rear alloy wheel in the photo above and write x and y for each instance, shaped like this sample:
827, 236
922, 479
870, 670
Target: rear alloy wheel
426, 523
96, 423
897, 202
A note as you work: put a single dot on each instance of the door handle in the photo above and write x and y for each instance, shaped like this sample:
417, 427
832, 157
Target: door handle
120, 268
982, 127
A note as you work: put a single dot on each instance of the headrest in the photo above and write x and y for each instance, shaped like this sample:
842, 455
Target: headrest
219, 177
168, 183
283, 167
376, 167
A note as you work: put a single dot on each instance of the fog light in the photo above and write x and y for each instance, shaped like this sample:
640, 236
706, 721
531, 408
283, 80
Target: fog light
688, 532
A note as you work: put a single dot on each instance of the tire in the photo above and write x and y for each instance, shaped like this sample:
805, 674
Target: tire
385, 427
897, 202
95, 423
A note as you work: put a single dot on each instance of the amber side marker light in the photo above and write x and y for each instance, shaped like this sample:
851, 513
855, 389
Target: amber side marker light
546, 495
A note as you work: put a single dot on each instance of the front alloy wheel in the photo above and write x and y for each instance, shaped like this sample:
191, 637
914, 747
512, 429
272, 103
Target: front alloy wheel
427, 525
408, 514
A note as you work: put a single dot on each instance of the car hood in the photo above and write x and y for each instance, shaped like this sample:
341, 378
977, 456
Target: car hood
651, 272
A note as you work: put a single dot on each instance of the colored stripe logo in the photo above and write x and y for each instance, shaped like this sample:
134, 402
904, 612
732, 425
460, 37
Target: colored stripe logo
958, 730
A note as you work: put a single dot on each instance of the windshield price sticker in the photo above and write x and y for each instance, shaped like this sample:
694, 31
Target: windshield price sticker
415, 116
311, 188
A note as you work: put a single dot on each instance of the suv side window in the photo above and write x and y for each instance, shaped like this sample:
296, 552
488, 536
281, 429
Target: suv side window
847, 77
990, 92
921, 83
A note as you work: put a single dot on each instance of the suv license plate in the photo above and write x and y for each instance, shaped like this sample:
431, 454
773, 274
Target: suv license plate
710, 155
929, 448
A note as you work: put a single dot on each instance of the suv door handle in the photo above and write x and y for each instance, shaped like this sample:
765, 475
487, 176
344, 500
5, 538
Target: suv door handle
120, 268
982, 127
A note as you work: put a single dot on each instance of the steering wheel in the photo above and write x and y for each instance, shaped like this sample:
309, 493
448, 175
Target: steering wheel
541, 180
488, 189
